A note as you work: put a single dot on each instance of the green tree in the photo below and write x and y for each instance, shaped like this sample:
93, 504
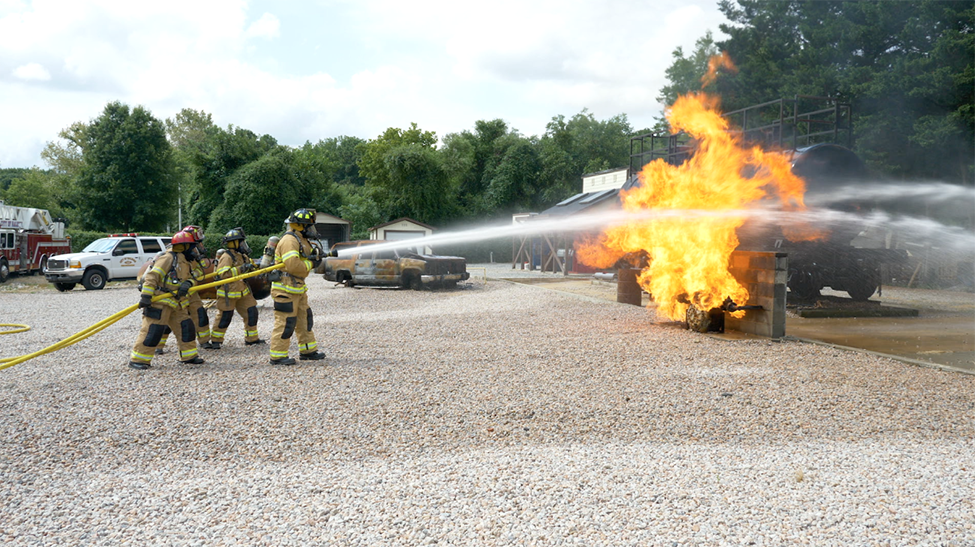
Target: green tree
471, 158
372, 160
126, 181
316, 174
188, 131
259, 195
67, 156
343, 153
8, 175
512, 186
33, 189
360, 209
907, 68
580, 145
418, 185
219, 155
392, 164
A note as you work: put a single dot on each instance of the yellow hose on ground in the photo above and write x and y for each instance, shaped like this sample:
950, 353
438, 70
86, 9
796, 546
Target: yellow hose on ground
14, 328
104, 323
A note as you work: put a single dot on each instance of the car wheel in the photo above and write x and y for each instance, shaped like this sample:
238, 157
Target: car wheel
803, 286
412, 281
64, 287
94, 280
862, 289
4, 270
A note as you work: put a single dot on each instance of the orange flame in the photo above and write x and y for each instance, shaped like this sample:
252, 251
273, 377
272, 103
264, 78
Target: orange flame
722, 60
690, 253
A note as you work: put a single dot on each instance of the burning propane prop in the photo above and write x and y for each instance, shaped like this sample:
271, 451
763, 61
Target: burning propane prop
688, 273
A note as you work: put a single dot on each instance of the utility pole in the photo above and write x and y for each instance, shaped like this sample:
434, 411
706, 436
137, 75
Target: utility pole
179, 202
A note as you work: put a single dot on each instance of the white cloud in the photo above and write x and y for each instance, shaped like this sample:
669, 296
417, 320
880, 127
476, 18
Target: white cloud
267, 26
440, 63
32, 71
557, 55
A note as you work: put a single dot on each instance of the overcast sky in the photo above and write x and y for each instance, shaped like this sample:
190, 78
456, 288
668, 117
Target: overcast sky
309, 70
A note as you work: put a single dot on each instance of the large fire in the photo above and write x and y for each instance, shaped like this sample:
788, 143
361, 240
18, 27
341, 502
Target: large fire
690, 248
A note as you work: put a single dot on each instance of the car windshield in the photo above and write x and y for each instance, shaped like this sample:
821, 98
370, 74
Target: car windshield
103, 245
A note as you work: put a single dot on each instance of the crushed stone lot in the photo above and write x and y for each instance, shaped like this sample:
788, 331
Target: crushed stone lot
495, 414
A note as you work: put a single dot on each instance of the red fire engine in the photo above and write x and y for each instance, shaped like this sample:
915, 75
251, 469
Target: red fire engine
28, 237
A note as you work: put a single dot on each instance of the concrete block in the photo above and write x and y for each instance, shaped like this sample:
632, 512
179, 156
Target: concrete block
781, 263
762, 261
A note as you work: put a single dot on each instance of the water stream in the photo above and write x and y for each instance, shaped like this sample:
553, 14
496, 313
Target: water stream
918, 229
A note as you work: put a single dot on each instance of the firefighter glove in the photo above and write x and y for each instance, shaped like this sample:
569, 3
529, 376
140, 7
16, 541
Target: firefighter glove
316, 258
246, 267
145, 301
184, 288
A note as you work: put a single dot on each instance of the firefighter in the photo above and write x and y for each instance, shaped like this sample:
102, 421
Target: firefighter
170, 275
142, 272
235, 295
292, 316
197, 312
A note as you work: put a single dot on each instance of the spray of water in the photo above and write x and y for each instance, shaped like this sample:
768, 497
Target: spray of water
929, 193
920, 230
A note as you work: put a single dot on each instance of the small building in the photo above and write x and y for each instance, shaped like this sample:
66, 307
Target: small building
401, 228
332, 229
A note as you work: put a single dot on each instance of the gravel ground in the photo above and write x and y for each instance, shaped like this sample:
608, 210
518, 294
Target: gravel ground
496, 414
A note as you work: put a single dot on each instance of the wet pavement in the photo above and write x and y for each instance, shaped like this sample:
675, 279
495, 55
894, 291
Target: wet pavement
942, 334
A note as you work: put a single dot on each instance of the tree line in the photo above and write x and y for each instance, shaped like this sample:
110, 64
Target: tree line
907, 67
127, 170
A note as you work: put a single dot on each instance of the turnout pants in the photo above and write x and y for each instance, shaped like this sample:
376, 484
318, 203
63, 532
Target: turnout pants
292, 318
246, 307
201, 321
155, 320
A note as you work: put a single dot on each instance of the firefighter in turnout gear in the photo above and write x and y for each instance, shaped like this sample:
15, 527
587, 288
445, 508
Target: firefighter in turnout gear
292, 316
198, 313
235, 295
196, 310
170, 276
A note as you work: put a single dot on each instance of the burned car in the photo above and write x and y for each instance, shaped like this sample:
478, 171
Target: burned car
405, 268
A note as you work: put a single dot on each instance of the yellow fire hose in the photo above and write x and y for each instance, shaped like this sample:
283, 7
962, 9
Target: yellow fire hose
14, 327
101, 325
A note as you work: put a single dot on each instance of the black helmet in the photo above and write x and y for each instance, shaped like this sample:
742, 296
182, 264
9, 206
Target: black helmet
305, 217
236, 234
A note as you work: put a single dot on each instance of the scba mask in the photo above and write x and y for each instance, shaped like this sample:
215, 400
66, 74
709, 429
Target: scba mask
193, 253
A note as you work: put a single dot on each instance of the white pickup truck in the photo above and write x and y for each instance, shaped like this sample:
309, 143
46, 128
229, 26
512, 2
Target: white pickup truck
112, 258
